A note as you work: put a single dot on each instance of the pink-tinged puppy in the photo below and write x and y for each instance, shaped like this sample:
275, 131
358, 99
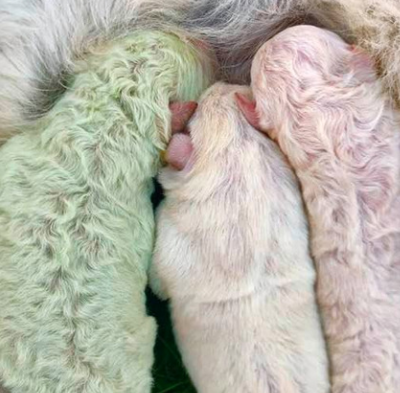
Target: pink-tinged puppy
322, 102
232, 256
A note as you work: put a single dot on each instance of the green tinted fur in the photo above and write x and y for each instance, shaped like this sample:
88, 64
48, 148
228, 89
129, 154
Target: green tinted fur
77, 223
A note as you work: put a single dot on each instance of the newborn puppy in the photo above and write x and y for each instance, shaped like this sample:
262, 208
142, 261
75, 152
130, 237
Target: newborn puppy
232, 256
40, 40
322, 102
77, 223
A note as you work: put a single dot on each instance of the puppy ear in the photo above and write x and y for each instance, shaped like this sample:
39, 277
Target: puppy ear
181, 112
361, 65
248, 108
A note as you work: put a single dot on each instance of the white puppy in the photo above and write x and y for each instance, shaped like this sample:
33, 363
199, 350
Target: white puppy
232, 256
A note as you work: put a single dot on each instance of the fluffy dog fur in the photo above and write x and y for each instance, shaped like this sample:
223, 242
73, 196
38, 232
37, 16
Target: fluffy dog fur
232, 256
41, 39
77, 222
321, 100
2, 390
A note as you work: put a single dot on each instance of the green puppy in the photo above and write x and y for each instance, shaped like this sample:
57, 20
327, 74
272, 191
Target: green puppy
77, 225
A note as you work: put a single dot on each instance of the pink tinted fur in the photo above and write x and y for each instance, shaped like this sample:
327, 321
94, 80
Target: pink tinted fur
322, 102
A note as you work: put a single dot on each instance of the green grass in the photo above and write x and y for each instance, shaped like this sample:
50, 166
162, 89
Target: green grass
169, 373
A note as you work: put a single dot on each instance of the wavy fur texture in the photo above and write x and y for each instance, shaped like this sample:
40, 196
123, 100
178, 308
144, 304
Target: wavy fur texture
40, 40
77, 221
232, 256
322, 101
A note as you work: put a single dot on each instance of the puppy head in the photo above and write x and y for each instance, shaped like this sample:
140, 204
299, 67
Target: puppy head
313, 55
297, 65
209, 145
144, 72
